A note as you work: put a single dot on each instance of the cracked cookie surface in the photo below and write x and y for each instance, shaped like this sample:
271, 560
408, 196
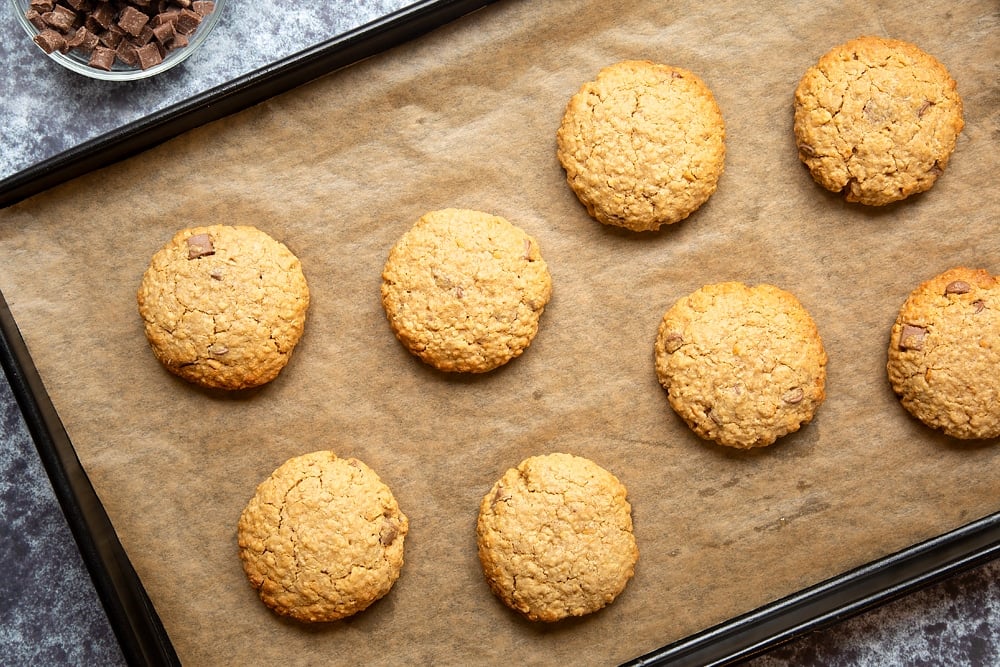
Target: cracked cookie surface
742, 365
464, 290
223, 306
944, 353
322, 538
643, 145
877, 119
555, 537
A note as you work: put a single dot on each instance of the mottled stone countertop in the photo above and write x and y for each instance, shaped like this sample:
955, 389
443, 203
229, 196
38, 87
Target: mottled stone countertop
49, 610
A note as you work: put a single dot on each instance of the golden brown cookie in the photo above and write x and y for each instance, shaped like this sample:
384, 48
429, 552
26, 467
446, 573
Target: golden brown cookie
464, 290
877, 119
322, 538
742, 365
944, 353
643, 145
555, 537
223, 306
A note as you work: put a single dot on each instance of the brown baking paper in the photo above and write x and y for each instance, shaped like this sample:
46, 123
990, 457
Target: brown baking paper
466, 117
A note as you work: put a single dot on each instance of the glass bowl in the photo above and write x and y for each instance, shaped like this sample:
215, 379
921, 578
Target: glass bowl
77, 61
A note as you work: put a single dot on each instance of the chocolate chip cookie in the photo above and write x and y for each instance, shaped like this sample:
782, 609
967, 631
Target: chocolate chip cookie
742, 365
223, 307
944, 353
322, 538
643, 145
464, 290
877, 119
555, 537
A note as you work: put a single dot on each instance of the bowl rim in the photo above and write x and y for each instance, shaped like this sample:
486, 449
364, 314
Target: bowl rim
77, 63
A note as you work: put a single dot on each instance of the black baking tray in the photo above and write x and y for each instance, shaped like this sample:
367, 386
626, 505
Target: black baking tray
132, 615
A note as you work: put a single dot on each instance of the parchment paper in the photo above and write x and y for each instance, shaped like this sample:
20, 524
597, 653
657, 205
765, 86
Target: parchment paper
466, 117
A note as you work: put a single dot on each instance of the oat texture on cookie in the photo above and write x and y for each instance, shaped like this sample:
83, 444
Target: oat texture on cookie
464, 290
555, 537
944, 353
877, 119
223, 306
741, 365
322, 538
643, 145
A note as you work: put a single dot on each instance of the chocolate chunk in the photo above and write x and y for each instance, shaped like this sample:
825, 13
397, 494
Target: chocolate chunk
200, 245
35, 19
498, 496
958, 287
111, 38
807, 150
143, 38
164, 33
102, 58
793, 396
203, 7
163, 18
60, 18
103, 15
132, 21
388, 533
149, 55
713, 416
82, 39
187, 21
42, 6
50, 40
126, 53
912, 337
672, 342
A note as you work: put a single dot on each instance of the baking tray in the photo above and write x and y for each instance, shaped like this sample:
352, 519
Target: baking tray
133, 617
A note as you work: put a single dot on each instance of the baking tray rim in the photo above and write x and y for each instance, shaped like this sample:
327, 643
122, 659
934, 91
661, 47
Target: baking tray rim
131, 613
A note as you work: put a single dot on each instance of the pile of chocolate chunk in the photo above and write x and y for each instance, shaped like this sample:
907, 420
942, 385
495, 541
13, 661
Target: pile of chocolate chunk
136, 33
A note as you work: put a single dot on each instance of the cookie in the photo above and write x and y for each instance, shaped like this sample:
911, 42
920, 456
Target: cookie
464, 290
223, 307
643, 145
555, 537
944, 353
742, 365
877, 119
322, 538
